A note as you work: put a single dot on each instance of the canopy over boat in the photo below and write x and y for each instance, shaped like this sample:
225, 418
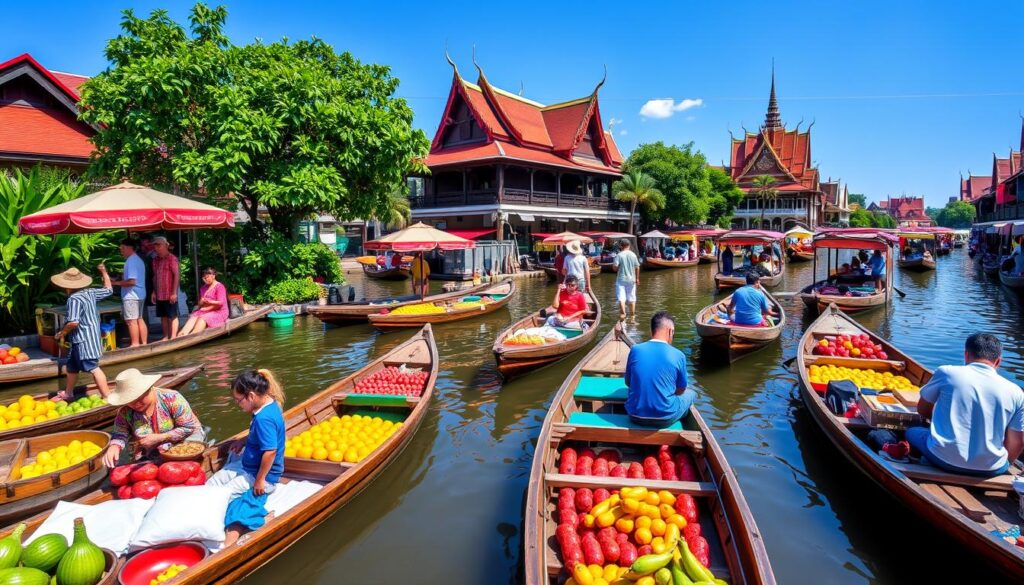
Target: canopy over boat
750, 237
799, 232
653, 234
916, 235
682, 237
419, 237
855, 239
701, 233
599, 236
562, 238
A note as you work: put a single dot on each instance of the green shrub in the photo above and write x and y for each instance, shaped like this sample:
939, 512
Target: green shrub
291, 291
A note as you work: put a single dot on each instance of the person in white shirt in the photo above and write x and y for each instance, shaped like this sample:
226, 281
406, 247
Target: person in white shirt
577, 264
977, 416
133, 293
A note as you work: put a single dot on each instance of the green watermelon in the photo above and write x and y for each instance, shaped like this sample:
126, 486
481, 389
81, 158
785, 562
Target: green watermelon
45, 552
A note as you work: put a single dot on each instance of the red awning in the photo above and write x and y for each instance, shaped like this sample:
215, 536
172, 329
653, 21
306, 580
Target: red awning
854, 239
541, 234
750, 238
470, 234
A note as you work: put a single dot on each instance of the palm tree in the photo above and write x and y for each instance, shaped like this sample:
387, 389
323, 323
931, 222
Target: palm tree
639, 190
765, 191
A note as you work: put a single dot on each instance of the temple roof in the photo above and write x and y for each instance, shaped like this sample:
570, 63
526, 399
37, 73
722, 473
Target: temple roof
974, 186
904, 208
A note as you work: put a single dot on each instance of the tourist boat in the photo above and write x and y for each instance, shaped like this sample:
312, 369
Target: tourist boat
709, 254
819, 295
94, 418
944, 239
766, 239
358, 311
516, 359
737, 340
990, 266
1012, 281
661, 264
340, 481
587, 412
500, 294
795, 251
602, 239
22, 497
391, 273
50, 367
915, 263
966, 508
551, 272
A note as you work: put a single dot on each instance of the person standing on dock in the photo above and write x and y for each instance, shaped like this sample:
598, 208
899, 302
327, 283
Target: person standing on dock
82, 327
166, 279
627, 278
133, 293
977, 416
656, 377
577, 264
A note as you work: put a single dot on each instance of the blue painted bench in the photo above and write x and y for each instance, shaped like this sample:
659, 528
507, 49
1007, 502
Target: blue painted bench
601, 388
610, 420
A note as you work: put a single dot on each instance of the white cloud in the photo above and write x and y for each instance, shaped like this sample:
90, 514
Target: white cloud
664, 107
622, 132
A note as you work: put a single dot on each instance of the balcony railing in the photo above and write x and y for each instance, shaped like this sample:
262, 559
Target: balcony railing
770, 212
1004, 213
521, 196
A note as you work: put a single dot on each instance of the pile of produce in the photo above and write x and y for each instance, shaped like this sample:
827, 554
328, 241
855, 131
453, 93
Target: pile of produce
57, 458
168, 574
12, 355
349, 438
145, 480
49, 559
523, 339
417, 309
863, 378
857, 346
393, 380
469, 305
29, 411
653, 534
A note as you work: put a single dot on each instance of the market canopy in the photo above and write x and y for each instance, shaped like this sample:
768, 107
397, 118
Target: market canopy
654, 234
419, 237
917, 235
799, 232
750, 237
562, 238
608, 235
854, 239
122, 207
472, 234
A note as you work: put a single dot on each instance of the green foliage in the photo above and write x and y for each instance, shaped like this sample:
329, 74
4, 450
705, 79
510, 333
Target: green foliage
295, 127
397, 211
639, 190
293, 290
725, 196
765, 191
858, 198
933, 212
681, 174
864, 218
27, 262
883, 220
956, 214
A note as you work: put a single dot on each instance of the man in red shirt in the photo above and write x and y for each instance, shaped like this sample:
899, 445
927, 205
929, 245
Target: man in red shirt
569, 306
166, 278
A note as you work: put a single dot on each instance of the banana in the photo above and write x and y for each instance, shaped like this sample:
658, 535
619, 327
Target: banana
694, 569
648, 564
678, 576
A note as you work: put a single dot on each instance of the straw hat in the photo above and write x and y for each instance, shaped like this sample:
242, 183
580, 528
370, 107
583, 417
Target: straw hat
574, 247
71, 278
130, 385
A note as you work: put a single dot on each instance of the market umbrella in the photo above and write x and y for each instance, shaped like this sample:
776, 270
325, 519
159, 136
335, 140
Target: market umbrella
419, 238
654, 234
563, 238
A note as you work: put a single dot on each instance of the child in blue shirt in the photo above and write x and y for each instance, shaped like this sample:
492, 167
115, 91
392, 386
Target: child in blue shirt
253, 477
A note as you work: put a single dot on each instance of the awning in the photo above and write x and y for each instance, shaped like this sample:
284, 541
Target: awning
540, 234
994, 228
916, 236
1018, 228
750, 238
525, 216
858, 239
471, 234
654, 234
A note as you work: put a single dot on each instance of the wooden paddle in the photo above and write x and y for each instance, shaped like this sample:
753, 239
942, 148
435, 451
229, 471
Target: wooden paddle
902, 294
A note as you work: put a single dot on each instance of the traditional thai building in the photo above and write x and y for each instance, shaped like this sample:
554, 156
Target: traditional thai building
1000, 201
39, 117
837, 203
974, 186
784, 155
499, 160
908, 211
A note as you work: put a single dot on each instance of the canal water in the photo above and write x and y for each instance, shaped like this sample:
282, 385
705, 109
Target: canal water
449, 509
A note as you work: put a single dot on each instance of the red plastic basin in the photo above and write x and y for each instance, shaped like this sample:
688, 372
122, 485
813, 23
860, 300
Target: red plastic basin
146, 565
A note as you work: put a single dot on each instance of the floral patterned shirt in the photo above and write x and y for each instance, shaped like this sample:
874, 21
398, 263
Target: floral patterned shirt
173, 415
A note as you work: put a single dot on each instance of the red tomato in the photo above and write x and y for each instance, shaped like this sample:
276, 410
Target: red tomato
124, 492
196, 479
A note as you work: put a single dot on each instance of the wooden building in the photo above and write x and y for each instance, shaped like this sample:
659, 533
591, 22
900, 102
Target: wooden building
504, 162
1000, 200
907, 211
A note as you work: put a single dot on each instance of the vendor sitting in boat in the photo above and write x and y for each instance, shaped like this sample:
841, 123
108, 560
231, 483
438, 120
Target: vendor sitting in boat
977, 416
569, 305
151, 419
749, 305
656, 377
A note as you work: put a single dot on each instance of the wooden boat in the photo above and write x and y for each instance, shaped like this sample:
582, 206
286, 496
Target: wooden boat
733, 281
595, 269
990, 268
608, 267
800, 255
41, 368
391, 273
707, 258
917, 264
357, 312
551, 272
584, 414
21, 497
94, 418
737, 340
661, 263
834, 240
340, 481
942, 251
744, 238
501, 293
517, 359
965, 508
813, 299
1011, 281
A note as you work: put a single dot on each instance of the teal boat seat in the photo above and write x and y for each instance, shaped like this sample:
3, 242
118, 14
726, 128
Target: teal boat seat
497, 297
601, 388
569, 333
609, 420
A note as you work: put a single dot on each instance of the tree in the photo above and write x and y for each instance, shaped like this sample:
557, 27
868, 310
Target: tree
681, 174
957, 214
293, 127
933, 212
881, 219
861, 218
765, 191
639, 190
725, 196
858, 198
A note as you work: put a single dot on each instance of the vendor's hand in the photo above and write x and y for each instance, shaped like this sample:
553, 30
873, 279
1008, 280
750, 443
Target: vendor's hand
112, 454
259, 487
58, 335
102, 268
151, 440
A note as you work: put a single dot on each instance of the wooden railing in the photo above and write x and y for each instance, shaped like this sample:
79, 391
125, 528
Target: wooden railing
523, 196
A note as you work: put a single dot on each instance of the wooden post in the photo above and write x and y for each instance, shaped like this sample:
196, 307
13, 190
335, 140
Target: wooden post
501, 188
531, 187
465, 187
558, 189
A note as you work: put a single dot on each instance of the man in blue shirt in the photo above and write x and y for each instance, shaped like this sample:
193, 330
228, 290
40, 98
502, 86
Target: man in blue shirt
977, 416
877, 265
656, 377
749, 305
133, 293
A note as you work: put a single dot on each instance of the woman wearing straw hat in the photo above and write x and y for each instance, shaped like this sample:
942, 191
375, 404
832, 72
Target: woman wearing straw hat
152, 418
577, 264
82, 326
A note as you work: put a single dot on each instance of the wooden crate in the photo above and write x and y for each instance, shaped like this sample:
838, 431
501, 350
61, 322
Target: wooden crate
886, 412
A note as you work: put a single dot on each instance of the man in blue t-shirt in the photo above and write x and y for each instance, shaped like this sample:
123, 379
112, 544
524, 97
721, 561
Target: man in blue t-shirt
749, 305
656, 377
877, 265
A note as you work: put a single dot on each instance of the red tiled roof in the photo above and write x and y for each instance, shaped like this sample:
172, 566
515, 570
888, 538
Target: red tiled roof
974, 186
71, 80
613, 149
66, 82
507, 152
564, 123
28, 130
790, 148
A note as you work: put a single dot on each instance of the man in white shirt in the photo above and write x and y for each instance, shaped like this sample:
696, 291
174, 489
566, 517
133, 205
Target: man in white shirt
133, 293
577, 264
977, 416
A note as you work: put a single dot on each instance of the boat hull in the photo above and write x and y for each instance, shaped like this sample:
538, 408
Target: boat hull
724, 282
737, 340
392, 321
662, 264
351, 313
918, 265
396, 273
514, 360
1016, 282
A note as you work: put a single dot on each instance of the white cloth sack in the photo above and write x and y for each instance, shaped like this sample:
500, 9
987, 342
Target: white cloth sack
109, 525
547, 332
184, 513
288, 495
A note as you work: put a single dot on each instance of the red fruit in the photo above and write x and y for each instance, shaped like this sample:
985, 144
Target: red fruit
592, 553
567, 499
172, 473
610, 455
618, 471
686, 506
600, 468
651, 469
568, 517
584, 501
668, 471
119, 475
584, 465
143, 472
621, 538
882, 355
627, 553
635, 471
664, 453
1020, 541
609, 546
569, 543
700, 549
644, 550
146, 489
691, 531
588, 452
600, 495
124, 492
196, 479
193, 467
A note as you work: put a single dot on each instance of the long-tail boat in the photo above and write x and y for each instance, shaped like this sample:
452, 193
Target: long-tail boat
50, 367
495, 295
924, 262
966, 508
339, 481
767, 240
588, 413
795, 250
865, 295
737, 340
357, 311
514, 359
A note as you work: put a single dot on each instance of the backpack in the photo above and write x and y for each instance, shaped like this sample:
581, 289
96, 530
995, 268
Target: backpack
841, 396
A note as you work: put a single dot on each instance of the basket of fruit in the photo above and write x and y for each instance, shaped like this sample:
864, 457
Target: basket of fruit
184, 451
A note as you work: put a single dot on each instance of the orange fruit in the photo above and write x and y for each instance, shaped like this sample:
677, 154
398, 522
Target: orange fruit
336, 456
306, 452
320, 454
658, 527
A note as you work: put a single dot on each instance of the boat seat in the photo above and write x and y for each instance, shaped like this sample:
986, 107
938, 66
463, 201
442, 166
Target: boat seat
611, 420
569, 333
601, 388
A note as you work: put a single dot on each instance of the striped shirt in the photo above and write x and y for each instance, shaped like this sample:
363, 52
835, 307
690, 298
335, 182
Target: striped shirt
172, 415
82, 310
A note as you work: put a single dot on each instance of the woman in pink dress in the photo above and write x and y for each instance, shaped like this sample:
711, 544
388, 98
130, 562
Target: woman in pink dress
213, 305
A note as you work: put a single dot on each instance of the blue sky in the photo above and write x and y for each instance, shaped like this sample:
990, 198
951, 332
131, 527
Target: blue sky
905, 95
